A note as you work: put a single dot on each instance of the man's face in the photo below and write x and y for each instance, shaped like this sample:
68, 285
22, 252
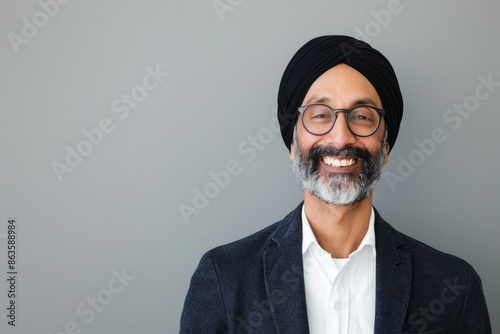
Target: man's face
339, 167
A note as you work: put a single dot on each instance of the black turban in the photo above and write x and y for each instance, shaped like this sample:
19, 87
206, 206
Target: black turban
321, 54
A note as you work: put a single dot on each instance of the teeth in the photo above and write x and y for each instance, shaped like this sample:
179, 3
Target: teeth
339, 163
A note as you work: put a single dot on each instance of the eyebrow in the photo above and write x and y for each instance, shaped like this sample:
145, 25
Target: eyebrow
316, 99
365, 100
324, 99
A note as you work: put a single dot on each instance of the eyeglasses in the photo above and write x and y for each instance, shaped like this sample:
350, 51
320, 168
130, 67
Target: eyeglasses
319, 119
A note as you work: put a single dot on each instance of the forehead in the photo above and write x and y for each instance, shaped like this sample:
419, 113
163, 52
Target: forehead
343, 86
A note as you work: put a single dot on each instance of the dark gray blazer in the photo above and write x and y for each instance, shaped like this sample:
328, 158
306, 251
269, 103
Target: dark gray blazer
256, 285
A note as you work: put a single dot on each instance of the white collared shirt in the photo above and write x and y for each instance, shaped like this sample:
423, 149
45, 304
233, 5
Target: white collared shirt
340, 293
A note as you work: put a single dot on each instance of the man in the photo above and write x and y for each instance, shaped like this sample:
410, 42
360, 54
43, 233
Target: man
333, 265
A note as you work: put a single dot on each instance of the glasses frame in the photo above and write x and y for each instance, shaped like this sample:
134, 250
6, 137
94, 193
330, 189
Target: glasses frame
380, 112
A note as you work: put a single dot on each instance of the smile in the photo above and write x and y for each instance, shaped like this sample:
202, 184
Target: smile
334, 162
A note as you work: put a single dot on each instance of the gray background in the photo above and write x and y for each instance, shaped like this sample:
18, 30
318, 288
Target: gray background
119, 208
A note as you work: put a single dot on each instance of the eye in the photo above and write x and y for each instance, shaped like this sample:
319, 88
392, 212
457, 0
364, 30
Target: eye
363, 115
318, 113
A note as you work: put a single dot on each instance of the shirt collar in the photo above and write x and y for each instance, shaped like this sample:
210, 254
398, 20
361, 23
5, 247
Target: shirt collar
309, 238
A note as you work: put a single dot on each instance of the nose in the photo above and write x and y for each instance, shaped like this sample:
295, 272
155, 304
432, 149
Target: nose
340, 136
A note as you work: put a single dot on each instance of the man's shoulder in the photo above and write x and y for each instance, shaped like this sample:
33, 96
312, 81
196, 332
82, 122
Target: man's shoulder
251, 243
425, 257
425, 254
254, 246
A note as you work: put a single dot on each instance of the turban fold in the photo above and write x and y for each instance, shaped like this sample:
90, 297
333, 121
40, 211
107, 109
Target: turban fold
321, 54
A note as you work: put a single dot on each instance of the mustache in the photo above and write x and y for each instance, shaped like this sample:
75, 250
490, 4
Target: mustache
311, 163
353, 152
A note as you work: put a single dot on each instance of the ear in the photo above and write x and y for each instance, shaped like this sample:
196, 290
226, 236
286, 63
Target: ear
387, 150
292, 152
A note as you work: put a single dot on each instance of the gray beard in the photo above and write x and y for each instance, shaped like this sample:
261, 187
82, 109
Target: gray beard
337, 188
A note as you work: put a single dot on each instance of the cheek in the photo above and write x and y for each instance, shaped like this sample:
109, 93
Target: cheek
305, 139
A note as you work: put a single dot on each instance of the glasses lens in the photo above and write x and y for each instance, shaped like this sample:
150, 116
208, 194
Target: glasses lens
318, 119
363, 121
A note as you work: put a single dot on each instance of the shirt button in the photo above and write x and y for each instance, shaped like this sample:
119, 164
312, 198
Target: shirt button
337, 306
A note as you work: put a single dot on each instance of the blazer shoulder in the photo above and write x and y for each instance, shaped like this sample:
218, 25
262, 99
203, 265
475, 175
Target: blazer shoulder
248, 250
250, 244
426, 257
425, 253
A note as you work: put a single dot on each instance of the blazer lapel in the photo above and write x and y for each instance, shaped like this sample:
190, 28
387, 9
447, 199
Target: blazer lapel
393, 279
284, 275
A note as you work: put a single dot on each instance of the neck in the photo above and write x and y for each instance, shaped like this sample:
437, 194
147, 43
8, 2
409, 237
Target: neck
339, 230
